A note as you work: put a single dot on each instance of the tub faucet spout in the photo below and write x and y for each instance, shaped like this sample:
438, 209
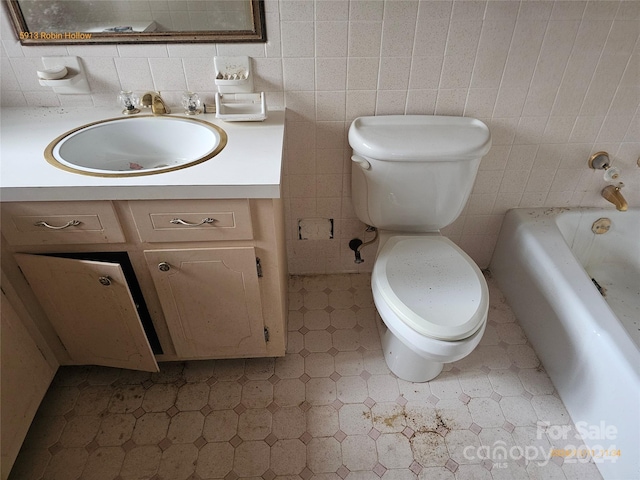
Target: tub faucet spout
155, 101
612, 193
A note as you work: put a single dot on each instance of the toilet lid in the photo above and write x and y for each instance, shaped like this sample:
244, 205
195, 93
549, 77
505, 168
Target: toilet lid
432, 286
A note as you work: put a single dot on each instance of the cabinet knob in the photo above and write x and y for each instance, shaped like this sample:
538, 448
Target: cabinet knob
164, 267
106, 281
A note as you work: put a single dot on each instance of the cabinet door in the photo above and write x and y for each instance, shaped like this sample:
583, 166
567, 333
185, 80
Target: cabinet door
90, 307
26, 375
211, 300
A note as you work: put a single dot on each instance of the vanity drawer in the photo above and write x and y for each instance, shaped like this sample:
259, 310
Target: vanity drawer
53, 223
192, 220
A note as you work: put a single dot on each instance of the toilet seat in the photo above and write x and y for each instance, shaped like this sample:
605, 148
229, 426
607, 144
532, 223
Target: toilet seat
431, 285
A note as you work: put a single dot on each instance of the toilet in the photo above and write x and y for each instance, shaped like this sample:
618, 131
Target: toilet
411, 176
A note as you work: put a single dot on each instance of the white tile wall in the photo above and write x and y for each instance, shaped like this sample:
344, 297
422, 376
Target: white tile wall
554, 80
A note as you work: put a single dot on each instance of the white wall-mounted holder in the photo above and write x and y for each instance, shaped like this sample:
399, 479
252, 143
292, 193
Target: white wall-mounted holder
241, 107
233, 74
75, 80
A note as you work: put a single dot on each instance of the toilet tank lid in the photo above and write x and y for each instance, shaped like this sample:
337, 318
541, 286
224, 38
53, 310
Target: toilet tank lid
419, 137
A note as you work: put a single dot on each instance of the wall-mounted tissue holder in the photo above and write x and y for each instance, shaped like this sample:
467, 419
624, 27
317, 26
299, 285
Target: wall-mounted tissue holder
233, 74
64, 74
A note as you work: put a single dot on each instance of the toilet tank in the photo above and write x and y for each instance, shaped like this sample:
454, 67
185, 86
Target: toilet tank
414, 173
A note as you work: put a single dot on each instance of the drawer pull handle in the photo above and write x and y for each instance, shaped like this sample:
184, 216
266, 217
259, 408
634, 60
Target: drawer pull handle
71, 223
179, 221
105, 281
164, 267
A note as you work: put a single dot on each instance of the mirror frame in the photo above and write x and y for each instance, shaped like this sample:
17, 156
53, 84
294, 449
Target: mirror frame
257, 35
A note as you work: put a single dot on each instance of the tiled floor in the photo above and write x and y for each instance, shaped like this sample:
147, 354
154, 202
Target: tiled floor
330, 409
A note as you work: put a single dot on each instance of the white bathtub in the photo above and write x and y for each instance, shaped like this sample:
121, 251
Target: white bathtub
544, 263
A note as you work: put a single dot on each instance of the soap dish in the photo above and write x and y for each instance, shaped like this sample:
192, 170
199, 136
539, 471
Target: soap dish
241, 107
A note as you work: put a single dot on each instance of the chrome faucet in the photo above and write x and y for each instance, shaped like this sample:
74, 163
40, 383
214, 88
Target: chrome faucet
612, 193
155, 101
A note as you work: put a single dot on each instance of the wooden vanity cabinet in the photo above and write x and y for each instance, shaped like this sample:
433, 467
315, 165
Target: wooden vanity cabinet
223, 294
212, 273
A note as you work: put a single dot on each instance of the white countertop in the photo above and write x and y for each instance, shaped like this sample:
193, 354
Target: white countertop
250, 166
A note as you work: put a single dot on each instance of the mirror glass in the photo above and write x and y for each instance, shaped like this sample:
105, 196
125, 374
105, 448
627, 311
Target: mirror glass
45, 22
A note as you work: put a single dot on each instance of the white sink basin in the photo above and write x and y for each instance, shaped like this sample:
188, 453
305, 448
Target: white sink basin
133, 146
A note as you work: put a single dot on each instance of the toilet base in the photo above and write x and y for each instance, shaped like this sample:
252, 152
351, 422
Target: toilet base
407, 364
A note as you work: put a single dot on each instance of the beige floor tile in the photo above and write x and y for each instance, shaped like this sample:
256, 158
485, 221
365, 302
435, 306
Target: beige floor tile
141, 463
251, 459
288, 423
254, 424
159, 397
518, 411
227, 370
126, 399
536, 381
288, 457
199, 371
80, 431
192, 396
346, 340
460, 443
322, 421
486, 412
324, 455
394, 450
343, 319
115, 429
355, 419
259, 368
289, 366
320, 391
225, 395
150, 428
317, 319
349, 363
103, 375
289, 392
473, 472
104, 463
429, 449
383, 388
58, 401
67, 464
505, 382
352, 389
185, 427
359, 453
257, 393
388, 417
215, 460
220, 426
93, 400
446, 385
319, 365
178, 462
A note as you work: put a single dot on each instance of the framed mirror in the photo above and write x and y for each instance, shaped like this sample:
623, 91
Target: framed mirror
65, 22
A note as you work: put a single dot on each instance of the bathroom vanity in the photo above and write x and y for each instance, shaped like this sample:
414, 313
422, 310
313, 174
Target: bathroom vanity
126, 272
